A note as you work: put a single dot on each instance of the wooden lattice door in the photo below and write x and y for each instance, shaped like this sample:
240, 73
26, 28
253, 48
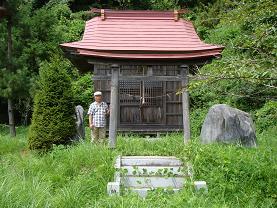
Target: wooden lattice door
141, 102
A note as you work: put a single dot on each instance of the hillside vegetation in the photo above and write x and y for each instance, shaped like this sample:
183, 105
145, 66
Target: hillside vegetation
246, 75
77, 176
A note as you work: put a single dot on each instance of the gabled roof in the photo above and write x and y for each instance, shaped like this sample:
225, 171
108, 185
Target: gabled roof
141, 35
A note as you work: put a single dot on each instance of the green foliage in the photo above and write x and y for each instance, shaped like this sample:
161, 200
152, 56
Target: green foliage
246, 76
197, 117
15, 83
77, 176
83, 90
164, 4
53, 117
266, 116
12, 145
43, 30
36, 34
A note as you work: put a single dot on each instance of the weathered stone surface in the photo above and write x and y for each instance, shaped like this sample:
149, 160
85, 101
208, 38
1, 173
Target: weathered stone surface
80, 126
145, 173
113, 188
201, 185
228, 125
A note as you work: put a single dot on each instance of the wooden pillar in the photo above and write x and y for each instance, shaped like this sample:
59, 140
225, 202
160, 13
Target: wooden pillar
185, 102
113, 106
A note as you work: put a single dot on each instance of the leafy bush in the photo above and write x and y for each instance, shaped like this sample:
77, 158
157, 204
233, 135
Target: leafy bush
266, 117
246, 73
197, 117
83, 90
53, 116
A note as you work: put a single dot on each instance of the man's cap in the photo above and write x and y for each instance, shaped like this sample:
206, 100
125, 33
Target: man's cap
97, 93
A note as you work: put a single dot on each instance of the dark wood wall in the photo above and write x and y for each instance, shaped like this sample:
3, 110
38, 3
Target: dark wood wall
145, 106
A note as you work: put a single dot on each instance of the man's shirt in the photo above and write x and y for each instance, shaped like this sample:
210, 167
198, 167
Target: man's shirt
98, 112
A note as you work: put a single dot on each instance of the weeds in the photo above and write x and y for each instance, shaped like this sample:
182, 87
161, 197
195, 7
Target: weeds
77, 176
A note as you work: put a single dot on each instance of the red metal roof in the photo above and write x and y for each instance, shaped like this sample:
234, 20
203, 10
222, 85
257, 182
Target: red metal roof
141, 35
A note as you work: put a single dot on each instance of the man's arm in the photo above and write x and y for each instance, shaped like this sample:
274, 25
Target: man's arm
90, 117
90, 121
107, 110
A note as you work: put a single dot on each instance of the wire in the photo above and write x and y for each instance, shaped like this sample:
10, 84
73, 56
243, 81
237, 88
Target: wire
159, 96
274, 98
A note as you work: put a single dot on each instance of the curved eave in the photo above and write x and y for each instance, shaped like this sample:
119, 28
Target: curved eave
153, 55
81, 45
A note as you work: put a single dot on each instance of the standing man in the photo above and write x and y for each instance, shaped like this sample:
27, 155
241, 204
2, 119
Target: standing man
97, 112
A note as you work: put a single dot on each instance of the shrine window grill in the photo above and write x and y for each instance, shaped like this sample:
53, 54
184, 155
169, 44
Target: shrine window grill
151, 93
129, 92
144, 93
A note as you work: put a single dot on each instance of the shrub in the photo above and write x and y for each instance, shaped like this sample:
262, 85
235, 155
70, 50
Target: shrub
246, 73
197, 118
83, 90
53, 116
266, 117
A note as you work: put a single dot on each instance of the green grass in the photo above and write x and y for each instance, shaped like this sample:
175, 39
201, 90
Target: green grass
77, 176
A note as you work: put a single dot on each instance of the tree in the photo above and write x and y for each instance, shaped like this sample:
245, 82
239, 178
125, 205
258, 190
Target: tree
246, 75
7, 13
53, 117
83, 90
37, 30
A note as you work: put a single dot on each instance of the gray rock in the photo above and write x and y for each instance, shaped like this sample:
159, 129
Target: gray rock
80, 126
228, 125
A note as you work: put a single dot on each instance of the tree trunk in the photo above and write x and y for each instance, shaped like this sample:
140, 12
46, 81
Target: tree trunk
9, 66
11, 118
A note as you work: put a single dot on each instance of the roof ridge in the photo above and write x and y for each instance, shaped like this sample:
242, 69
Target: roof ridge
138, 14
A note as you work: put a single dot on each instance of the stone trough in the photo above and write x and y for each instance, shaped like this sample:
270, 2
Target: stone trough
144, 173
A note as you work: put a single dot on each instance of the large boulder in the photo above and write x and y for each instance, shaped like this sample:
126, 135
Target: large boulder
228, 125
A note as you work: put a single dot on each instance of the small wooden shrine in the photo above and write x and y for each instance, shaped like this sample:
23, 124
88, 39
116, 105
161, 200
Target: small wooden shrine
140, 59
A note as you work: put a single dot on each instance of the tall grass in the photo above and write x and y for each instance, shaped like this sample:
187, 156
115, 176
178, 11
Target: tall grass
77, 176
10, 145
